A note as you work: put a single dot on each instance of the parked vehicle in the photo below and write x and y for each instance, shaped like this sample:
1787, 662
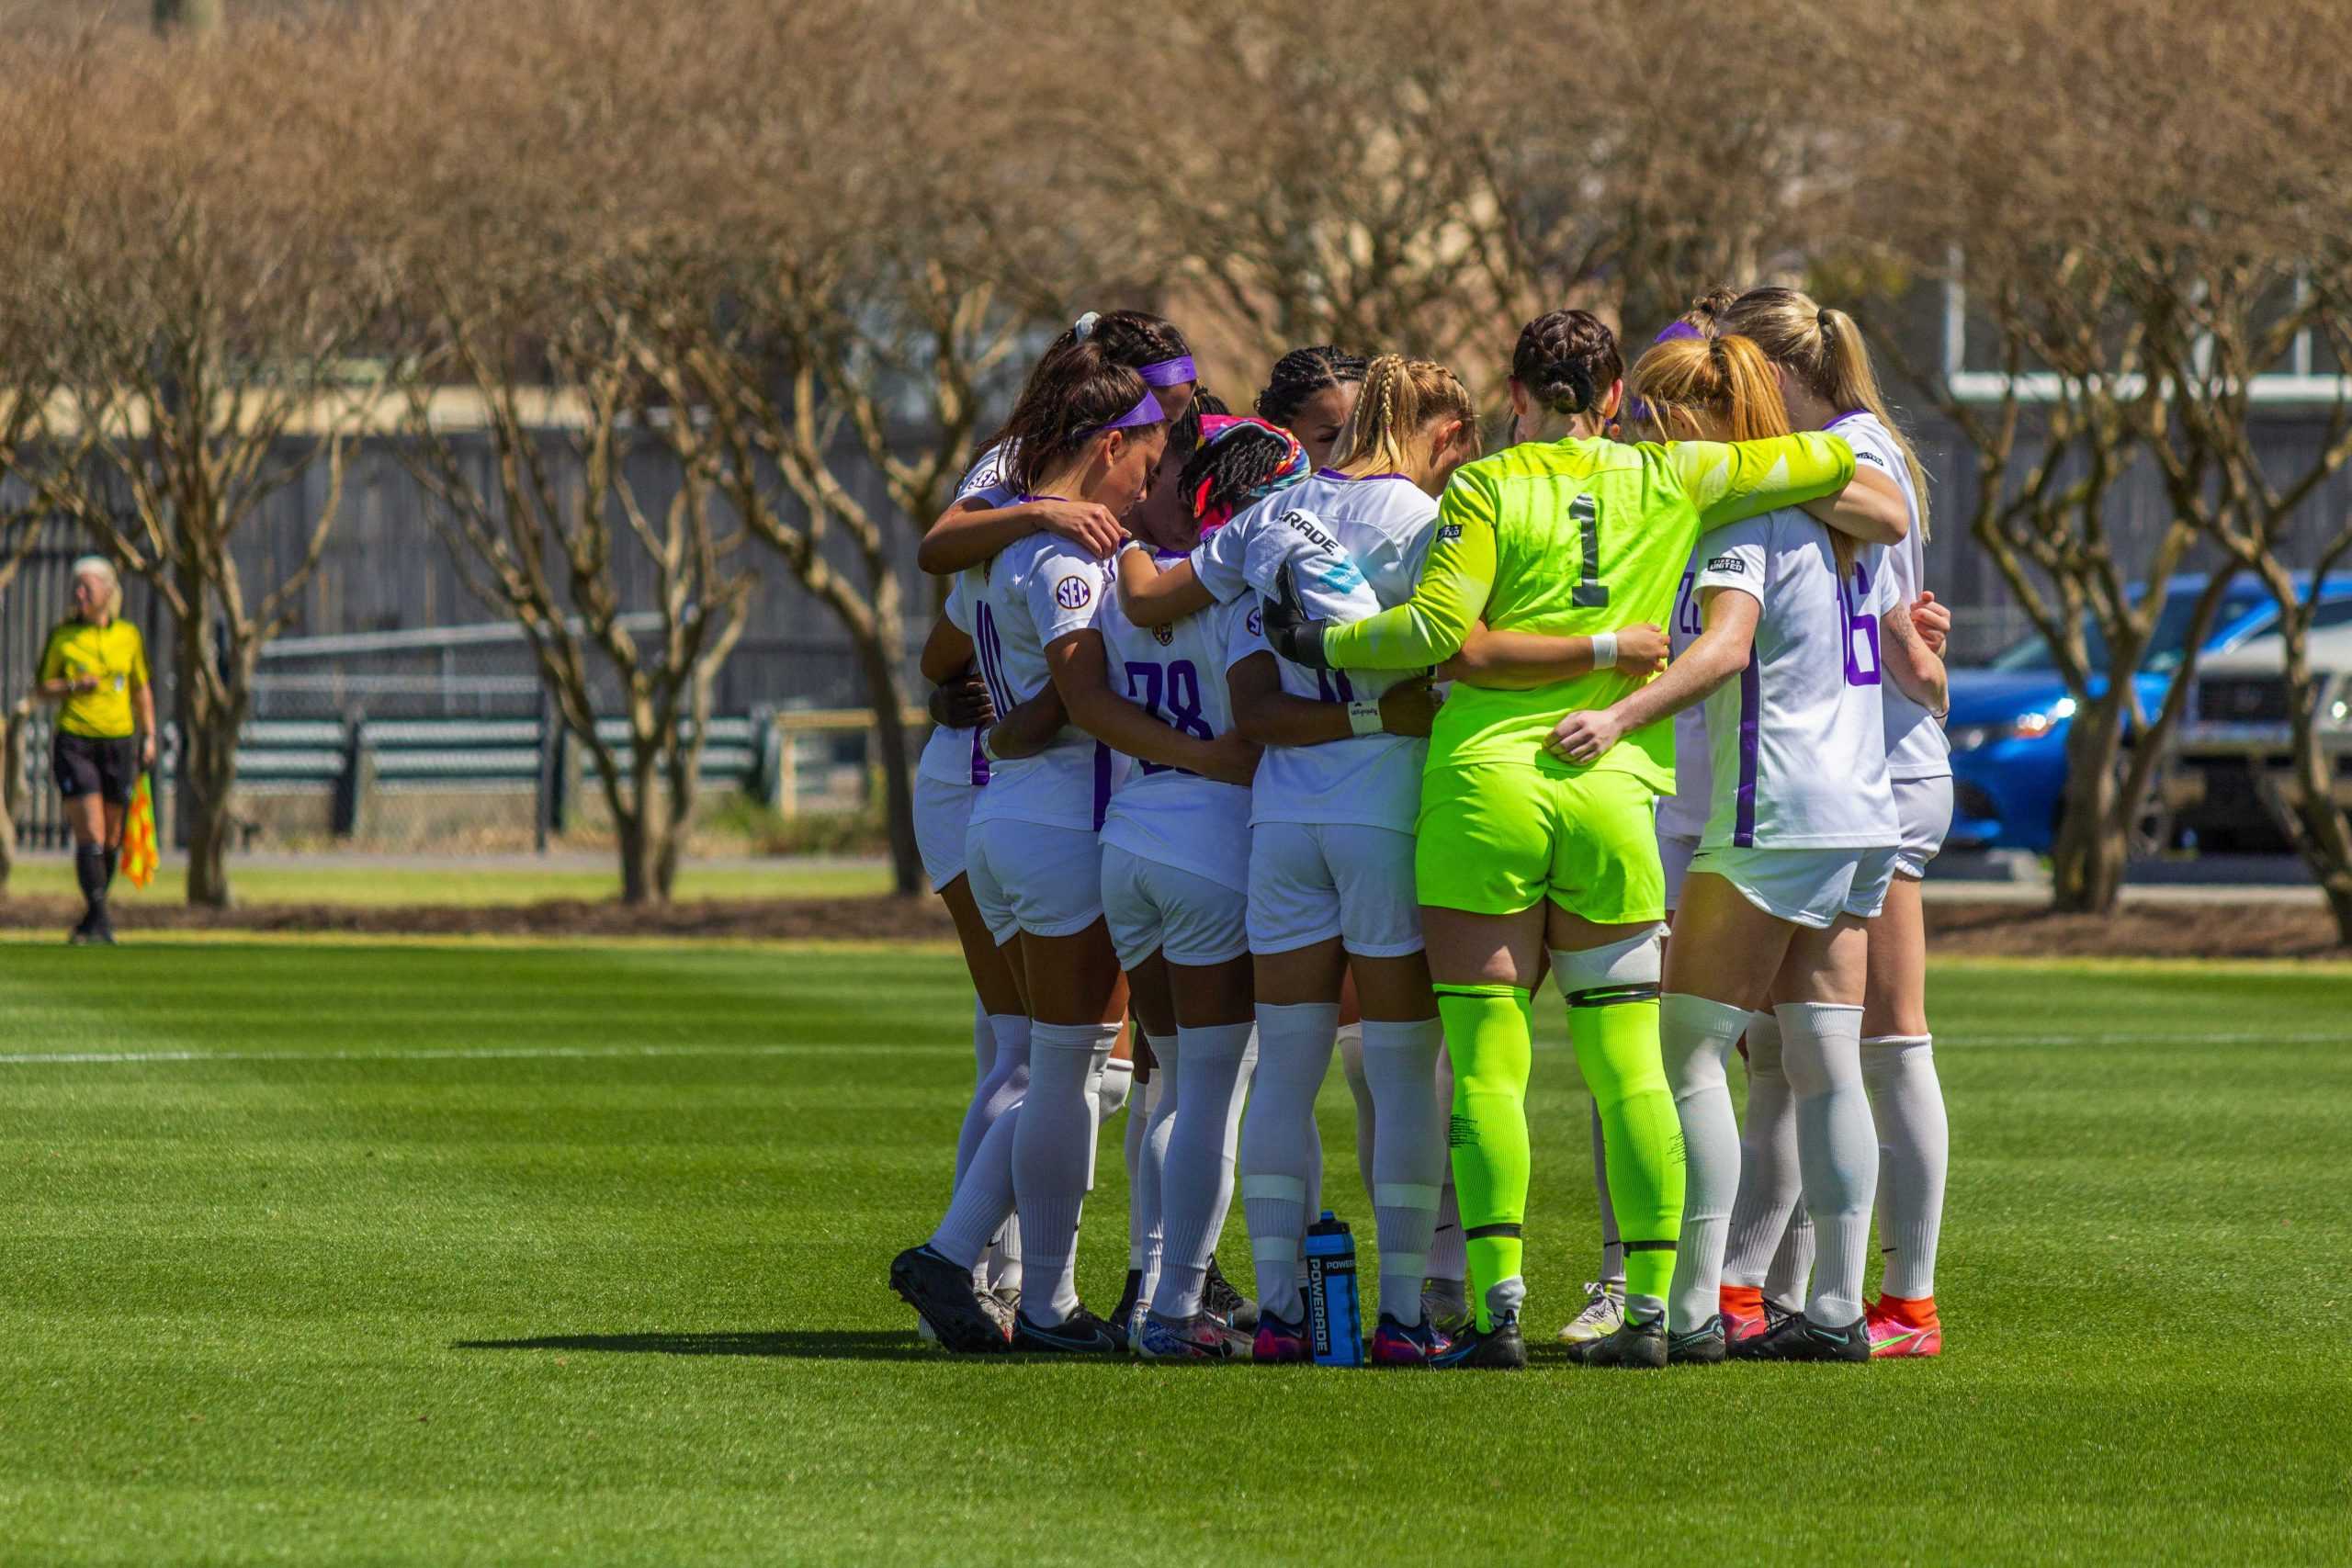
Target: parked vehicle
2237, 730
2009, 719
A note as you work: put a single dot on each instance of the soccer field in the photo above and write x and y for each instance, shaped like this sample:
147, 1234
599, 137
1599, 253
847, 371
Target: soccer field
506, 1253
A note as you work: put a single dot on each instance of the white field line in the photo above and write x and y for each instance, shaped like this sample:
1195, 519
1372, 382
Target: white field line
631, 1053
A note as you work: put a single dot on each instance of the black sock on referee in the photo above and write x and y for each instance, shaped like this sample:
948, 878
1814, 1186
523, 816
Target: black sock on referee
114, 858
90, 868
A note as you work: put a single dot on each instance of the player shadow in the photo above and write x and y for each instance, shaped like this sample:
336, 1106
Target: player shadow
827, 1345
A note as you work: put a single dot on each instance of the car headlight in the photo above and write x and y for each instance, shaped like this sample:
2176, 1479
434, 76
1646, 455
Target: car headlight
1968, 738
2033, 726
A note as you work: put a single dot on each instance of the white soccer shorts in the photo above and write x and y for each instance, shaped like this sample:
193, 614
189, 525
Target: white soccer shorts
943, 815
1028, 877
1153, 906
1674, 853
1311, 881
1923, 813
1809, 887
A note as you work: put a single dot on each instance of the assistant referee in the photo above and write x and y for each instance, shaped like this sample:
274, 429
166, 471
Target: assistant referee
96, 667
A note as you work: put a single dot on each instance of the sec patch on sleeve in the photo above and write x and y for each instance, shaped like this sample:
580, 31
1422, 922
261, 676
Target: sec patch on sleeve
1073, 593
1731, 565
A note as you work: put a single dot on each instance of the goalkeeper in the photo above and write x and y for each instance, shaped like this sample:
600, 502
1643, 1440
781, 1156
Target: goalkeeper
1566, 534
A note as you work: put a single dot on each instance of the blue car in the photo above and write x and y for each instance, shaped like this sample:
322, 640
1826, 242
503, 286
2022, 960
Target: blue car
2009, 719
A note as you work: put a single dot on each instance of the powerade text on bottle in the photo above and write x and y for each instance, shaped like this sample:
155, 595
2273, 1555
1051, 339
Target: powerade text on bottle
1334, 1319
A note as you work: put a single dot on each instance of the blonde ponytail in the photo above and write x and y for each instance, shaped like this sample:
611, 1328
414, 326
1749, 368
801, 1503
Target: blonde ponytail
1401, 397
1823, 349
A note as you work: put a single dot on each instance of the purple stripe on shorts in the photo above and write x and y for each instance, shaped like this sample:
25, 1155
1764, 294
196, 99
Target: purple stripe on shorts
1101, 784
979, 759
1751, 703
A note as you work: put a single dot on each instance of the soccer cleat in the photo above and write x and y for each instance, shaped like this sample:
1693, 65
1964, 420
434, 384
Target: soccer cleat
1127, 1318
1199, 1337
1079, 1334
1742, 1309
1799, 1339
1602, 1313
1498, 1348
1395, 1344
1446, 1303
1700, 1347
1220, 1298
1636, 1343
1900, 1330
1279, 1342
941, 1291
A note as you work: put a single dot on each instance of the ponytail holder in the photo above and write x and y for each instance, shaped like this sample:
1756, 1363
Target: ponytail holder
1084, 326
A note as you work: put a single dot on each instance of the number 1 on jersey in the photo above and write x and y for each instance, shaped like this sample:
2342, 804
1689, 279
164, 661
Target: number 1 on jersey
1589, 592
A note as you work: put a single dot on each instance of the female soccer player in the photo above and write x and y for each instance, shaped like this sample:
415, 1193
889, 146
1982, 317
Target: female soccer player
1331, 861
1827, 381
1797, 851
1176, 876
1569, 533
94, 668
1088, 430
1310, 393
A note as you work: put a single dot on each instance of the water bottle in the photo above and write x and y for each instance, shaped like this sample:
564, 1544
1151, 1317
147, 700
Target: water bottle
1334, 1318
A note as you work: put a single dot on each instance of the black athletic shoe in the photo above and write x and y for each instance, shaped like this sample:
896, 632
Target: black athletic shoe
1498, 1348
942, 1292
1776, 1317
1220, 1299
1801, 1339
102, 932
80, 935
1126, 1321
1080, 1334
1633, 1343
1700, 1347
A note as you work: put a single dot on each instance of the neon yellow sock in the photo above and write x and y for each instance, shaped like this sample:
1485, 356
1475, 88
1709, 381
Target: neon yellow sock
1487, 1029
1617, 1051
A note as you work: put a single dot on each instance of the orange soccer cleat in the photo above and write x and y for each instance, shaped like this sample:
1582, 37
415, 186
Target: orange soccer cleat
1901, 1327
1743, 1310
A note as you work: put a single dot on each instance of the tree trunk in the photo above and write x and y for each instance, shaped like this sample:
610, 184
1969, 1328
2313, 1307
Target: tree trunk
12, 787
898, 777
2089, 854
2322, 836
208, 763
648, 841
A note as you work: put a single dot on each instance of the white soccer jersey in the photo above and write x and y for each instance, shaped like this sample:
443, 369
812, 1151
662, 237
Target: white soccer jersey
1799, 742
1917, 747
1355, 547
1684, 813
954, 756
1176, 673
1034, 592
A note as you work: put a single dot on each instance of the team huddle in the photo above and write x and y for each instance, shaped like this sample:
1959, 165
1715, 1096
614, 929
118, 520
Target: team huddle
1319, 731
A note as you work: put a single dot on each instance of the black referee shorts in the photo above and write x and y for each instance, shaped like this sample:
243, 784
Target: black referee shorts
105, 766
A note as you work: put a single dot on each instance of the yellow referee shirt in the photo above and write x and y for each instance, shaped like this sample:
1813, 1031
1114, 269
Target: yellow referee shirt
117, 654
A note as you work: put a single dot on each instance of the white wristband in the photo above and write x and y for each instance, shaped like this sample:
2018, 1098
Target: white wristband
1604, 650
988, 734
1364, 717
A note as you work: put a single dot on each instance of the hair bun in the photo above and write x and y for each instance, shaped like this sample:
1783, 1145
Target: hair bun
1084, 326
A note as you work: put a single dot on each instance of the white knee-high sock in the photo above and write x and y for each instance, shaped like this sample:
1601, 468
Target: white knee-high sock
1053, 1149
983, 1040
1147, 1196
1117, 1082
983, 1206
1449, 1248
1351, 1045
1005, 1075
1196, 1188
1400, 1064
1613, 1245
1914, 1151
1836, 1147
1771, 1189
1279, 1147
1697, 1035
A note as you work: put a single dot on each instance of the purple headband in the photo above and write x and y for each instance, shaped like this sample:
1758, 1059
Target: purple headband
1146, 412
1169, 372
1677, 329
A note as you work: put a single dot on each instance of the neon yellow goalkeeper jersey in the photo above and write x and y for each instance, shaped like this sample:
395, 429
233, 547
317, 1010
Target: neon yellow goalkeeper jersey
1569, 538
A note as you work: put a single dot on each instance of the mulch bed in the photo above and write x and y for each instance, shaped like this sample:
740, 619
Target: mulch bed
2248, 929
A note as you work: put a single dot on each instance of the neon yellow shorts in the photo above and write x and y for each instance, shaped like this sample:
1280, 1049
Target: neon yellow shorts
1496, 839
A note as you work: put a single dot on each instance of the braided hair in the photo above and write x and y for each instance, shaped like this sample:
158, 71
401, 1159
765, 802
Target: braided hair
1567, 361
1131, 339
1071, 395
1303, 372
1239, 463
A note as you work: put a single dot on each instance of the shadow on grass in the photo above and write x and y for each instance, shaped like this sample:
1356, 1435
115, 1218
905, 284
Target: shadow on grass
830, 1344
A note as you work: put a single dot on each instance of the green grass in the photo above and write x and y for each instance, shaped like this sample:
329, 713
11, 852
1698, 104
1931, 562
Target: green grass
351, 1286
377, 886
